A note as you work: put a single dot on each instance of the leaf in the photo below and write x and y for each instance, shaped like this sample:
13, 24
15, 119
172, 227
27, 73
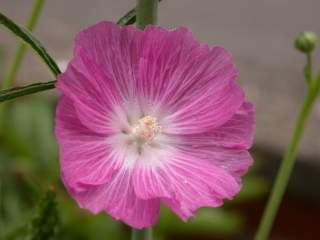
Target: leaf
27, 37
128, 18
18, 193
11, 93
46, 222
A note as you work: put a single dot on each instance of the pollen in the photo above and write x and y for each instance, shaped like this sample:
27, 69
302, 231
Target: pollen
146, 129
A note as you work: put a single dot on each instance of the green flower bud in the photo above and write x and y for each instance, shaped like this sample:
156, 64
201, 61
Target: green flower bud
306, 41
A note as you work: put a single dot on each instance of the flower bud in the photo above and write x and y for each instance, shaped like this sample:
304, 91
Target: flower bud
306, 41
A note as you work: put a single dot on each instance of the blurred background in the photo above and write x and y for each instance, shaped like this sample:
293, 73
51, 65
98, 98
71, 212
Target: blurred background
260, 36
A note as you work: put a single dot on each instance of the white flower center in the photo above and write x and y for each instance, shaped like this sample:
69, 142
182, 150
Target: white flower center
145, 130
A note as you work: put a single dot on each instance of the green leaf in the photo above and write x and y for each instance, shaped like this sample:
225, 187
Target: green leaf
27, 37
11, 93
18, 193
46, 222
128, 18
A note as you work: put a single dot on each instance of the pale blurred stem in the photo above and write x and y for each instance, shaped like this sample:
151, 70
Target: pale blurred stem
10, 78
21, 49
146, 11
287, 164
144, 234
308, 69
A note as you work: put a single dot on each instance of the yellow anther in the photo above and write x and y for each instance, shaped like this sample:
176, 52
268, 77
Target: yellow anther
145, 129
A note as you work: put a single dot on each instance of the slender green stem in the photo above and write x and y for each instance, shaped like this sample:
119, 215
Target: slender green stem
287, 164
146, 12
20, 52
308, 68
12, 93
128, 18
144, 234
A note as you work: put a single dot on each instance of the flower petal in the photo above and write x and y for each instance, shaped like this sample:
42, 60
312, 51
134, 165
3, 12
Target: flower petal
85, 157
185, 184
116, 50
118, 199
92, 92
236, 133
192, 81
210, 111
235, 161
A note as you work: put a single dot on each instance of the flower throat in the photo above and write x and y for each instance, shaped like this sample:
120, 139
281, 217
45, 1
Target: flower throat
145, 130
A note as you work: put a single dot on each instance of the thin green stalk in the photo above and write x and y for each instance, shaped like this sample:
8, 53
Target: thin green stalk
146, 12
128, 18
287, 164
15, 92
308, 68
20, 52
144, 234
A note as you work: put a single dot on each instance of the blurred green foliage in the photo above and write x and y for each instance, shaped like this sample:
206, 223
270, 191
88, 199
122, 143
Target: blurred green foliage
1, 62
45, 223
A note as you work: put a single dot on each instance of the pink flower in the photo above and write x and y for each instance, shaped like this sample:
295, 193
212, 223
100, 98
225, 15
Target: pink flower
150, 117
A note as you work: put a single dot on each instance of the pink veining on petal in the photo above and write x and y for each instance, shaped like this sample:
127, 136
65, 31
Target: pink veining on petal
185, 182
116, 50
84, 157
150, 117
120, 201
236, 133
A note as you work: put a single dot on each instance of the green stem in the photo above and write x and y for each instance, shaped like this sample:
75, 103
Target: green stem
308, 69
127, 19
20, 52
287, 164
12, 93
146, 12
143, 234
